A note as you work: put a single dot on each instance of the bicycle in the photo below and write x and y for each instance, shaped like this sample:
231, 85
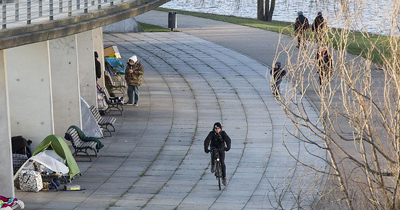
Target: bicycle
217, 165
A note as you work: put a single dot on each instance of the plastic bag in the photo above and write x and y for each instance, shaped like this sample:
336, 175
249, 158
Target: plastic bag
30, 181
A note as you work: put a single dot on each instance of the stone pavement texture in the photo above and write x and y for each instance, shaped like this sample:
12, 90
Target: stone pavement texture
155, 160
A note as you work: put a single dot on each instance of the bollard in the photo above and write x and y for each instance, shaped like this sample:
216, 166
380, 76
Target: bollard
172, 20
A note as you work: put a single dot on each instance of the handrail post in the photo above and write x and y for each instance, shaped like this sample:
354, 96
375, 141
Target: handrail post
78, 4
69, 8
99, 6
16, 10
93, 2
111, 2
28, 12
86, 6
40, 8
51, 17
60, 6
4, 24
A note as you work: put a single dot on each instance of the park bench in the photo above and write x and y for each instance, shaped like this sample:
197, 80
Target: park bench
104, 122
115, 82
114, 103
79, 145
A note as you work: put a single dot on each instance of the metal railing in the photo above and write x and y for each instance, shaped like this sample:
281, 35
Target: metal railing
16, 13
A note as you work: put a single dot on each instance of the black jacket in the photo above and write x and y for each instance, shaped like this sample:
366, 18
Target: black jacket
301, 24
98, 68
211, 140
277, 73
318, 24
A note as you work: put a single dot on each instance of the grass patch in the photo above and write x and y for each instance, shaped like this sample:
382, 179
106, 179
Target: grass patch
153, 28
276, 26
366, 45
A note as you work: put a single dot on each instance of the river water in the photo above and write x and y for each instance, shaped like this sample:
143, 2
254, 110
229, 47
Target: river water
374, 16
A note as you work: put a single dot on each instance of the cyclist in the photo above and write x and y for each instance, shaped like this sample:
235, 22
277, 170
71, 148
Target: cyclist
217, 138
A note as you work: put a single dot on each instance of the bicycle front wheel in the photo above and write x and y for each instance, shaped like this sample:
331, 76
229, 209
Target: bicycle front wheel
218, 173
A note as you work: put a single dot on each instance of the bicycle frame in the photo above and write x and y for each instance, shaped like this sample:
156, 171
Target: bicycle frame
218, 166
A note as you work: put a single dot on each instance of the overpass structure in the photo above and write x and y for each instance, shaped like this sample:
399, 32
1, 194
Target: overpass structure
47, 64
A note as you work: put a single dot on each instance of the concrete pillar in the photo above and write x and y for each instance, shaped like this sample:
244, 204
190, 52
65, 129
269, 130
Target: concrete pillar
6, 172
65, 84
29, 91
98, 46
87, 73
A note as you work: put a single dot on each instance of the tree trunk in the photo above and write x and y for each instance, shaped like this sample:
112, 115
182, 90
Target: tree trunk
269, 10
260, 10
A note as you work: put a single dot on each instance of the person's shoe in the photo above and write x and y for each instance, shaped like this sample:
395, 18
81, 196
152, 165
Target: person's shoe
224, 182
212, 169
135, 104
129, 104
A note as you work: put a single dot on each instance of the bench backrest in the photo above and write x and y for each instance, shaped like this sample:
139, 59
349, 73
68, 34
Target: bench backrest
75, 140
106, 93
109, 79
95, 113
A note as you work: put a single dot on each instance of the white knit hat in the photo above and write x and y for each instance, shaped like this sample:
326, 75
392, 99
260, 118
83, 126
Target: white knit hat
134, 58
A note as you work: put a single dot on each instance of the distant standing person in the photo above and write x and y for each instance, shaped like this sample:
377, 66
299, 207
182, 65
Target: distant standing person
319, 26
324, 65
300, 27
97, 65
134, 77
277, 73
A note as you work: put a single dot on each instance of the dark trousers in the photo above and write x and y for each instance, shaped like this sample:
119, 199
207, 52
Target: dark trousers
275, 87
221, 159
324, 74
301, 37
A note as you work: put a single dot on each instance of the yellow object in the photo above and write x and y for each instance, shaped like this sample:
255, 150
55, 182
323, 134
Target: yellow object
112, 51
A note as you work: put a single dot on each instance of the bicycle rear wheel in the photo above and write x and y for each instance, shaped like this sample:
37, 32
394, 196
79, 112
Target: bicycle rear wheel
218, 173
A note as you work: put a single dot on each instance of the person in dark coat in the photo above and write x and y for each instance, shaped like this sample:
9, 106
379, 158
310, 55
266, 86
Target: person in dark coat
217, 138
97, 65
134, 77
319, 26
301, 26
277, 74
324, 65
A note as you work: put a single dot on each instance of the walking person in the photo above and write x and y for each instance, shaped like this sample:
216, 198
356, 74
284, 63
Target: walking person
217, 138
134, 77
319, 26
301, 26
324, 65
277, 74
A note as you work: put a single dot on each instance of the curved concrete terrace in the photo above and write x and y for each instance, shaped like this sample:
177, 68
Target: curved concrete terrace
47, 30
156, 159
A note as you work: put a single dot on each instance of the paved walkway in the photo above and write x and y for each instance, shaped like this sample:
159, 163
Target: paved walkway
156, 160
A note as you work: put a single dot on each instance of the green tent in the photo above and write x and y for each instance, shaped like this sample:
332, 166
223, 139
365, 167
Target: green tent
61, 148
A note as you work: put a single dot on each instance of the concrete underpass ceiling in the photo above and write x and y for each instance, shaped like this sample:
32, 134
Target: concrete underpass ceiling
29, 34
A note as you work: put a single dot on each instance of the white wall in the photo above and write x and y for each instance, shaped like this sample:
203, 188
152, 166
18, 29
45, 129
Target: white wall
29, 91
98, 46
87, 73
6, 172
65, 83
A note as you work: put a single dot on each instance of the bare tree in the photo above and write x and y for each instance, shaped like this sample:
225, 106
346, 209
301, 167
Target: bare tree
265, 9
358, 108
